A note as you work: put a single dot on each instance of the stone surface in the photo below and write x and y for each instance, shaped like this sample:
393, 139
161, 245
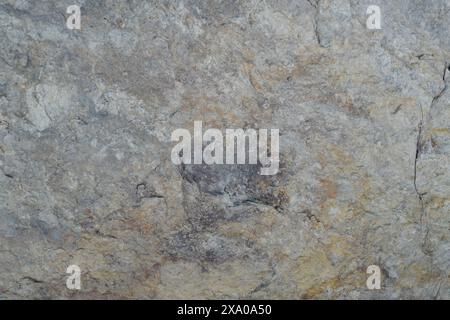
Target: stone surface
86, 176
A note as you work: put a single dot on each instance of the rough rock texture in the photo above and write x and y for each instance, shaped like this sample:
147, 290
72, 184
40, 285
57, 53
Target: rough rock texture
86, 176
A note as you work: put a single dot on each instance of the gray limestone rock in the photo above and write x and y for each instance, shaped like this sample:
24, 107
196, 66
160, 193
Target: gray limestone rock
86, 176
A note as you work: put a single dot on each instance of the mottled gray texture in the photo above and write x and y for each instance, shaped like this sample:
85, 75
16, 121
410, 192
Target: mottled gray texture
85, 170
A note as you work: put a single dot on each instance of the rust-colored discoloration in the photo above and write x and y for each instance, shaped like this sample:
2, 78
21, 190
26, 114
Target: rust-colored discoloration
330, 188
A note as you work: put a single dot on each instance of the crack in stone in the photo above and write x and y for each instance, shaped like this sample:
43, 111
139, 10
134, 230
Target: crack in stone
420, 195
438, 96
315, 5
417, 154
34, 280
